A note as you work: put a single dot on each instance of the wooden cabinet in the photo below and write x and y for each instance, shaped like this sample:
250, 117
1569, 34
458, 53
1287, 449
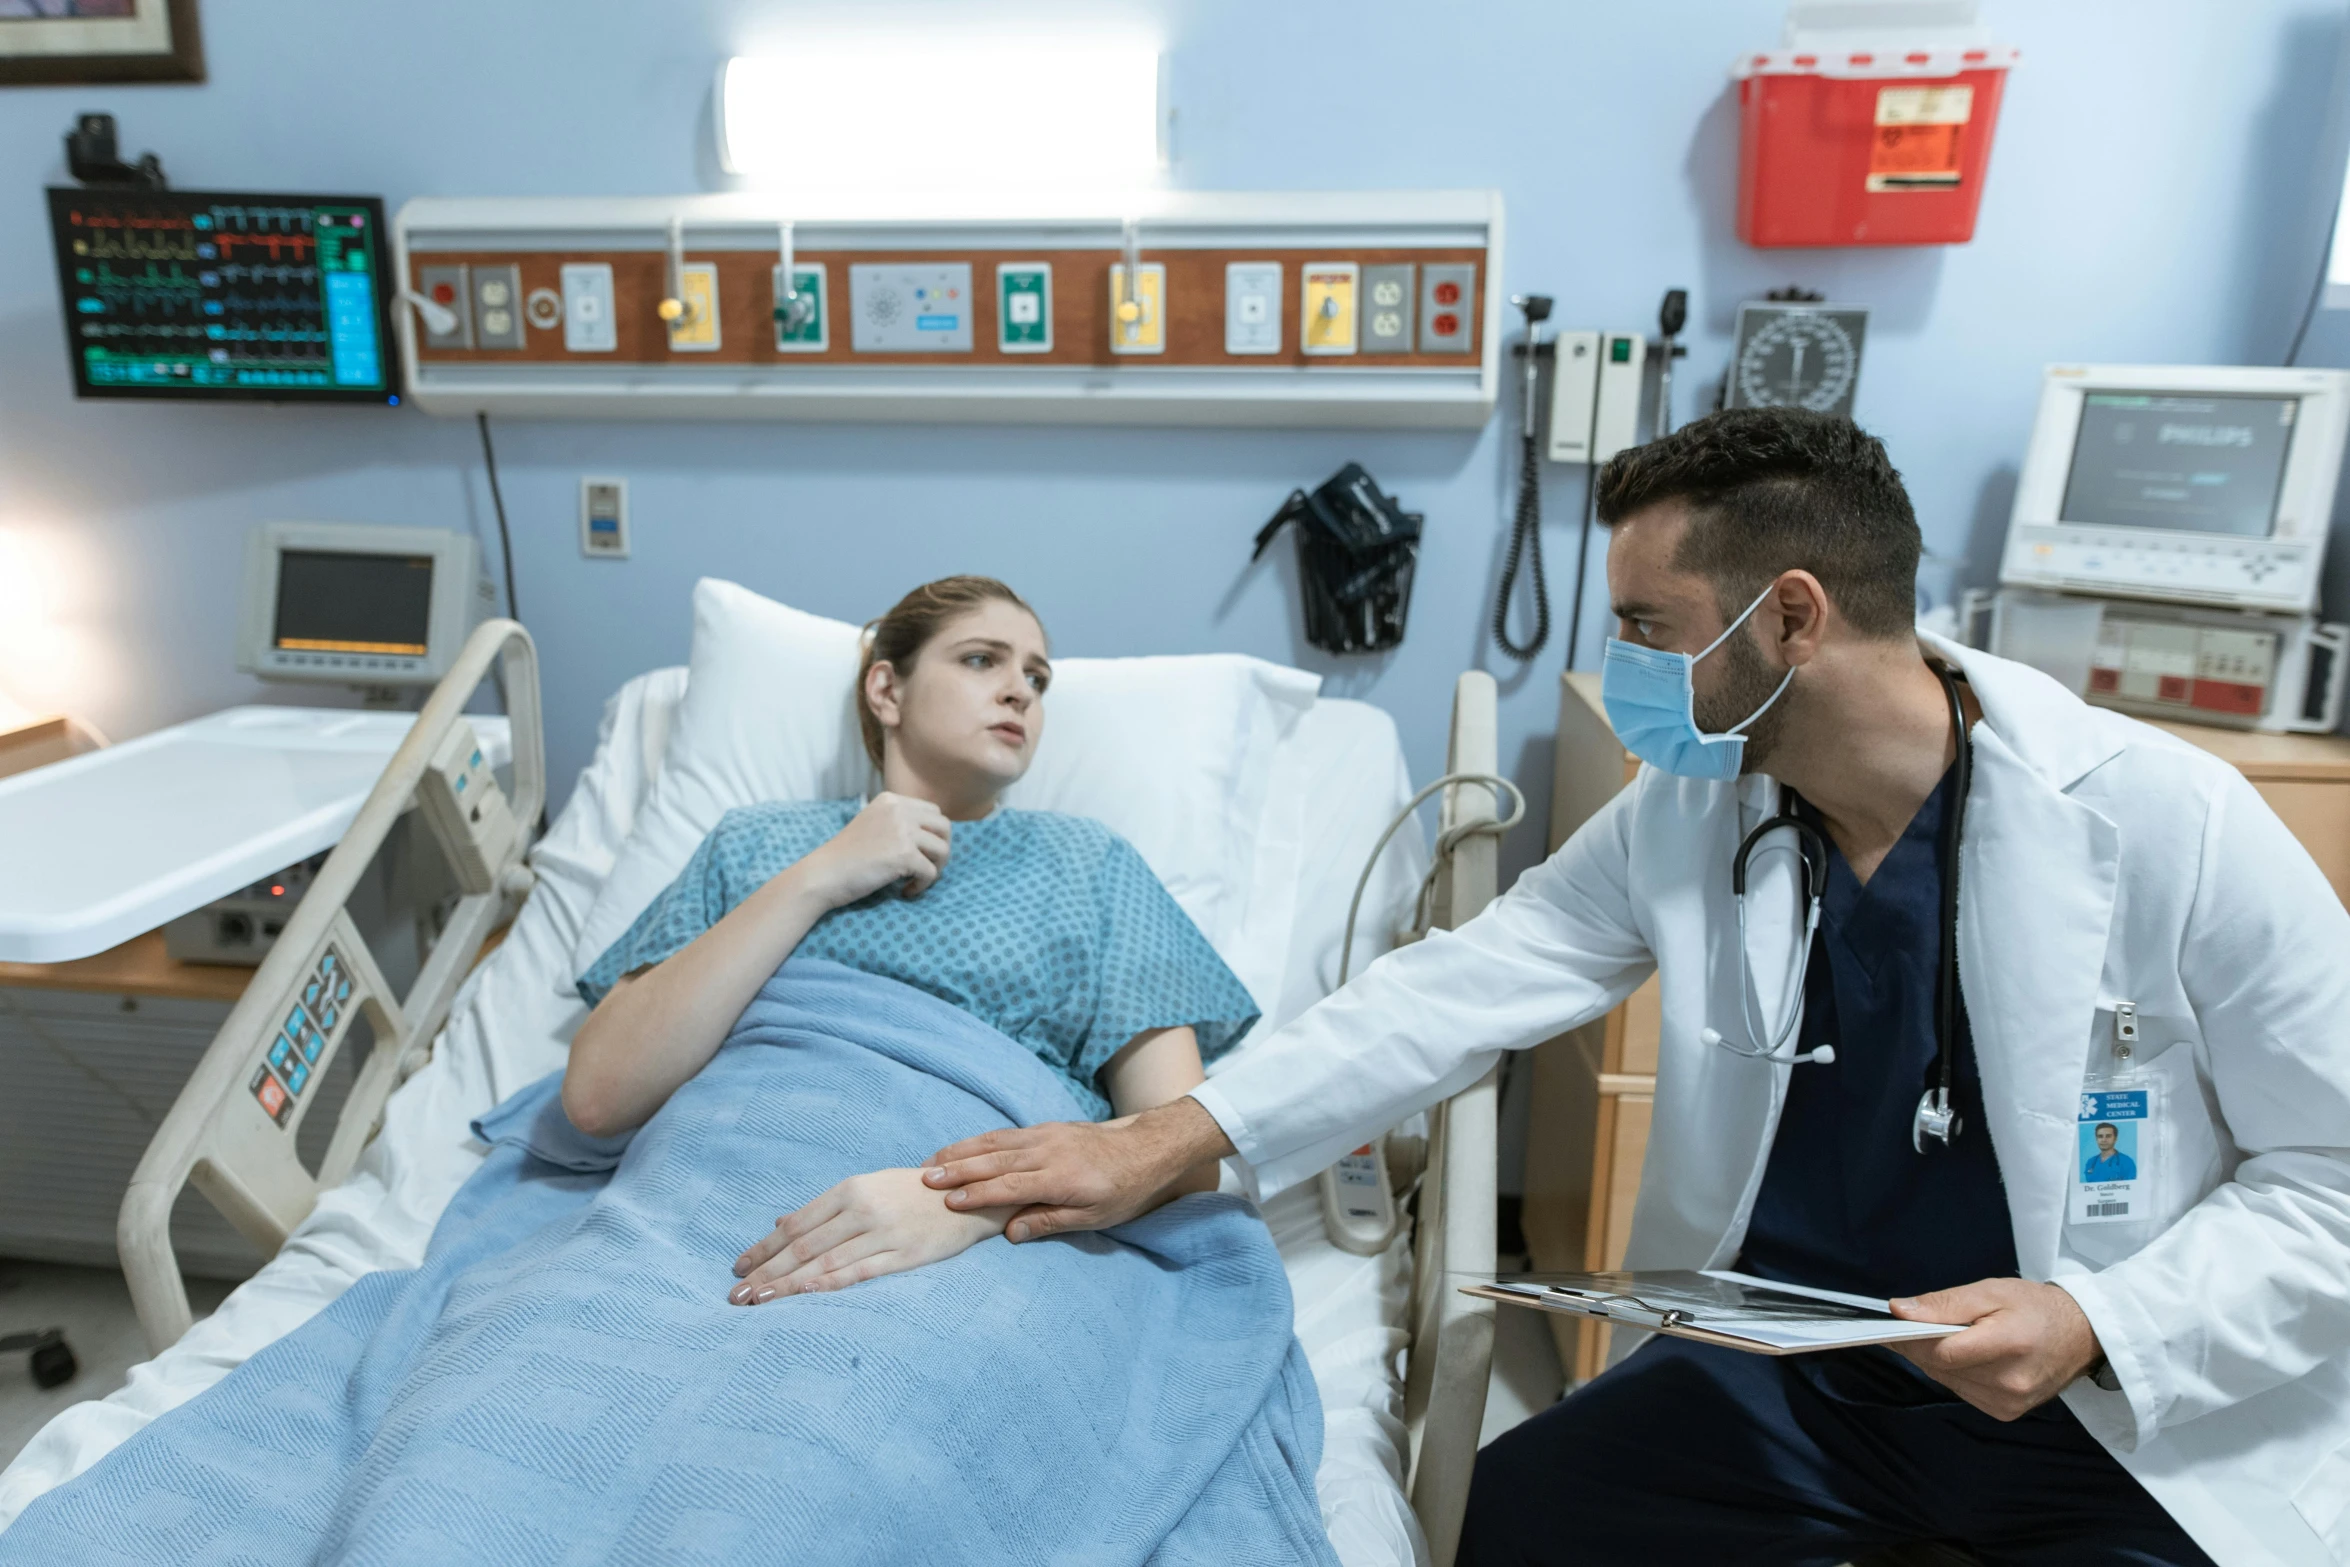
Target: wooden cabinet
1594, 1088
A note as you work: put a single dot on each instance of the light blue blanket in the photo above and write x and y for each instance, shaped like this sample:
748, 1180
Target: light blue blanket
563, 1381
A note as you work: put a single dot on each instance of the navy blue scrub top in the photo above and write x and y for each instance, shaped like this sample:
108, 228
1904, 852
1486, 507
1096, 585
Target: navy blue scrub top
1846, 1202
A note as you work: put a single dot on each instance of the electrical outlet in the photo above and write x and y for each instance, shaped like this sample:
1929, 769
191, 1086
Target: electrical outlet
1574, 390
497, 306
1252, 307
603, 519
448, 288
1448, 307
1387, 309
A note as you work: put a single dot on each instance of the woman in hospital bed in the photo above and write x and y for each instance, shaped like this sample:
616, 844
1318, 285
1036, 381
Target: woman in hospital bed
827, 987
1049, 927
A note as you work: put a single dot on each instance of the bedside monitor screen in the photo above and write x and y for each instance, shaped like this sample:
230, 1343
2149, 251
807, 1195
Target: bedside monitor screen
333, 601
2192, 463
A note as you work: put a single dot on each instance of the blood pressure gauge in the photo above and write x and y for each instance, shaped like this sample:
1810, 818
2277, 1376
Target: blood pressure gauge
1797, 356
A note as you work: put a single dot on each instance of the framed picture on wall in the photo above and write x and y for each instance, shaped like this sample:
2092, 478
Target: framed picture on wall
99, 41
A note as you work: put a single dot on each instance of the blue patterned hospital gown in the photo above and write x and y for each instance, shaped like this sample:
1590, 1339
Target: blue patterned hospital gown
1049, 927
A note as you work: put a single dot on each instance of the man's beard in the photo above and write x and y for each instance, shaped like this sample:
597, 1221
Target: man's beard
1747, 683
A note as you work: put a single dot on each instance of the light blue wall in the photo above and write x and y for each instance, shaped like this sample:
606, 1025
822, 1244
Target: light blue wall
2152, 197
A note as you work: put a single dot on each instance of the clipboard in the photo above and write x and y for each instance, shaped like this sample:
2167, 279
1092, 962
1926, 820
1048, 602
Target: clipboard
1714, 1306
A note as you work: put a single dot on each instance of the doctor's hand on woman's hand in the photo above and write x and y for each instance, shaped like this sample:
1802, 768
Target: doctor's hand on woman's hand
868, 1225
892, 839
2024, 1343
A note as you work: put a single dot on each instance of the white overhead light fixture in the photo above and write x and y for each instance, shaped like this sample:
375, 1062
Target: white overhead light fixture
965, 115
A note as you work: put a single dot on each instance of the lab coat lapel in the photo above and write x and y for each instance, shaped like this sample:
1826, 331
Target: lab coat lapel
2038, 871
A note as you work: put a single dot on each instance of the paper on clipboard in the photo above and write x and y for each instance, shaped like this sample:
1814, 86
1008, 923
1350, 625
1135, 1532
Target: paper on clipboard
1715, 1306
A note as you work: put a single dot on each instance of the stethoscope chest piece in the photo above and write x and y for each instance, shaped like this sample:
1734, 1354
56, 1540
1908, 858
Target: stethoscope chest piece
1935, 1119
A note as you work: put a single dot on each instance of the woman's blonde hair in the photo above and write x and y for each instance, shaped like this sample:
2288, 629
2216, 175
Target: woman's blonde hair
898, 637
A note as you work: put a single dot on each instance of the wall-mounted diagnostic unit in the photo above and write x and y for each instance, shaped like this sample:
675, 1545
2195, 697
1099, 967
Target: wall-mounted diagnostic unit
360, 605
1258, 309
203, 295
2169, 527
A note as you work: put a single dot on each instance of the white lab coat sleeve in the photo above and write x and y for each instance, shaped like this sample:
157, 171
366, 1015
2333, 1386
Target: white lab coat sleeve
1424, 1022
2251, 1287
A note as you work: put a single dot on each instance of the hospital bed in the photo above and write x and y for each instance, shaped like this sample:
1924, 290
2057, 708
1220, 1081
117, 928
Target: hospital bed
1398, 1448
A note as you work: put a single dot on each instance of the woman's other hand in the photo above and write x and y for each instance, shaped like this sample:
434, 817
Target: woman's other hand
893, 839
868, 1225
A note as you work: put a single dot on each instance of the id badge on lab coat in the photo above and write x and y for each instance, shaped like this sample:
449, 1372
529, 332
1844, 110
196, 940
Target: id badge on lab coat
2117, 1150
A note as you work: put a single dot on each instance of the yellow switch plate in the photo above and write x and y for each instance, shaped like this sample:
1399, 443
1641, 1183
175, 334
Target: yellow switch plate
1147, 333
696, 332
1328, 302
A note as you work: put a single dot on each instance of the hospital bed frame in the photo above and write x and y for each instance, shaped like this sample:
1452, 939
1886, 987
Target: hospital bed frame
221, 1134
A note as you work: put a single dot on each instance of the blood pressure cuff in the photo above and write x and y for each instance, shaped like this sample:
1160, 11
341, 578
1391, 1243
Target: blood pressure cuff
1356, 549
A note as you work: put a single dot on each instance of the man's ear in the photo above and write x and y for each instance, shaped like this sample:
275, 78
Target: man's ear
1801, 607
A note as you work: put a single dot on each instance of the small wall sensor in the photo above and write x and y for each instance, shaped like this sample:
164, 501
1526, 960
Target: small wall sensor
603, 519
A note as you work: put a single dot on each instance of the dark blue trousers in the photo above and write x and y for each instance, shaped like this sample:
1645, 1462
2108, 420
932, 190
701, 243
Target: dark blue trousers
1691, 1453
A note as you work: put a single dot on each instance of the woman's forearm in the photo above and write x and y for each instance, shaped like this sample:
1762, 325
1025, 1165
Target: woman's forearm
659, 1027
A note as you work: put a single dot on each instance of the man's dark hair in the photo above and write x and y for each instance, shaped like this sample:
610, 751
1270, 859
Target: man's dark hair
1781, 489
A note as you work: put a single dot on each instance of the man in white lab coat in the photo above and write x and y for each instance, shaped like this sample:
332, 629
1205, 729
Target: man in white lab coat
2156, 1369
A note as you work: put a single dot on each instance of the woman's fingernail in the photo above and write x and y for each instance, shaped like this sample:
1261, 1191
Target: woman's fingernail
764, 1295
738, 1293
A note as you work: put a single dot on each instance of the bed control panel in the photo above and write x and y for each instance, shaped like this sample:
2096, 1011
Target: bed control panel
467, 810
308, 1033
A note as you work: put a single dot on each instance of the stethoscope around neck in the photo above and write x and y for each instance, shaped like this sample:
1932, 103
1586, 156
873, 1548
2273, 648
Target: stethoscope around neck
1774, 1040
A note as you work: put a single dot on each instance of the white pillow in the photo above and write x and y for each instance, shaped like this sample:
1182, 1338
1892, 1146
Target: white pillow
1175, 754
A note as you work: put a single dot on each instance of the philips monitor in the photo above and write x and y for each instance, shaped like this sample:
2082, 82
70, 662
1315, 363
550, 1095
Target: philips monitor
353, 604
2186, 484
194, 296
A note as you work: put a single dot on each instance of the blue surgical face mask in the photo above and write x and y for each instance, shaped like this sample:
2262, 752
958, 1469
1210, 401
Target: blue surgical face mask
1651, 699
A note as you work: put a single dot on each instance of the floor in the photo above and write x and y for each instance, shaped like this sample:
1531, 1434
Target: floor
93, 1306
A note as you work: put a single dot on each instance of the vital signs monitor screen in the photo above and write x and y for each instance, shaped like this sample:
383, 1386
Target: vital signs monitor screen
331, 601
2197, 463
192, 295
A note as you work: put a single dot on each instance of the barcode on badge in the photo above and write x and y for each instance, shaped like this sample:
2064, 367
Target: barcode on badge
2108, 1210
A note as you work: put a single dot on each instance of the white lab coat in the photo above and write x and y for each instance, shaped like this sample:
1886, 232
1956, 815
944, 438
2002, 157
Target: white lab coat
2103, 861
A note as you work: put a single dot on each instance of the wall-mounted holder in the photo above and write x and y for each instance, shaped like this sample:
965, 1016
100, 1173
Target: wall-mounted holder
722, 307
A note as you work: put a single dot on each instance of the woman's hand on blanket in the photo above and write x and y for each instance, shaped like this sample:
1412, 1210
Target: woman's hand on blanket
868, 1225
893, 839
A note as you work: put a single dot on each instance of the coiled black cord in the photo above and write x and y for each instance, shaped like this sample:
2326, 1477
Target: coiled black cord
1525, 546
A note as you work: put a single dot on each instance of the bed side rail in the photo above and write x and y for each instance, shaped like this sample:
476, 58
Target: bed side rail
232, 1129
1451, 1333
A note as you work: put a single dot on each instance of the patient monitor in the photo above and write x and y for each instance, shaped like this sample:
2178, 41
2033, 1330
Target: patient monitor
356, 604
2169, 528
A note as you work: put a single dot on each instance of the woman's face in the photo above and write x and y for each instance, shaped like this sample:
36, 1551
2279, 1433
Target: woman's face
971, 709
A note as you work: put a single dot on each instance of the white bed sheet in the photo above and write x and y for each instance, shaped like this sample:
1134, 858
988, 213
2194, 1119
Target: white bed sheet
511, 1023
